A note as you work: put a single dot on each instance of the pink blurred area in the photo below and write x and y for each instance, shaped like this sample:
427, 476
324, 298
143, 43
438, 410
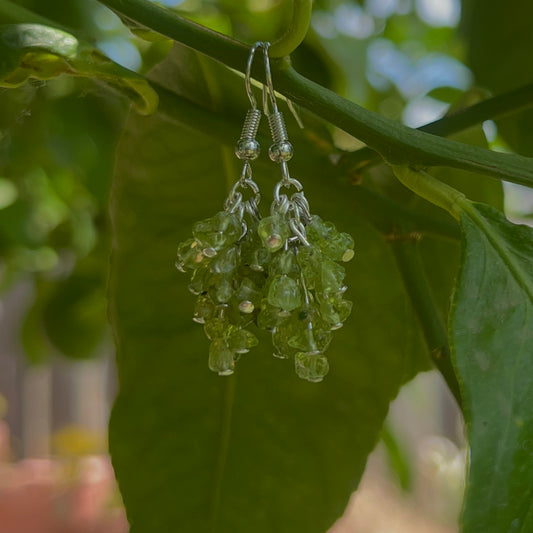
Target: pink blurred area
58, 496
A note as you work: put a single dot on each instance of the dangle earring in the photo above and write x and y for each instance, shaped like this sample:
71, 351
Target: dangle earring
303, 298
226, 257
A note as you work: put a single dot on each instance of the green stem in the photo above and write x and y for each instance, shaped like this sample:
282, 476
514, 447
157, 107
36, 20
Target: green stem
492, 108
395, 142
381, 211
431, 189
295, 34
419, 291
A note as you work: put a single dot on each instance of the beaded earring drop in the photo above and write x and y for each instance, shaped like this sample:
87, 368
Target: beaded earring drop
281, 272
304, 292
226, 257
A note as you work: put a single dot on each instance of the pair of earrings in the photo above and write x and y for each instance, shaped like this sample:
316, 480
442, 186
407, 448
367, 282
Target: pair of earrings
281, 272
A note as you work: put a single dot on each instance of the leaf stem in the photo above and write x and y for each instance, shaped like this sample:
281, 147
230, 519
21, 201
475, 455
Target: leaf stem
431, 189
297, 30
418, 288
396, 143
491, 108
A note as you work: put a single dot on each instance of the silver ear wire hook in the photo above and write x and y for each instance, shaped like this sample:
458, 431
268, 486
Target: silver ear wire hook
248, 74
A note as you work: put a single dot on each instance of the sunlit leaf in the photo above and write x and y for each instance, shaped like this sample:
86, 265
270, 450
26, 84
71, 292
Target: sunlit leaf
40, 52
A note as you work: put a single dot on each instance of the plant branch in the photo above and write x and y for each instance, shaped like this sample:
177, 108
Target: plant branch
295, 34
396, 143
492, 108
419, 291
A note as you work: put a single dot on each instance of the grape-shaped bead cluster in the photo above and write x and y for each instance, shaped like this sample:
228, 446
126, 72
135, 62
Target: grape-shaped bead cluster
259, 272
228, 276
304, 293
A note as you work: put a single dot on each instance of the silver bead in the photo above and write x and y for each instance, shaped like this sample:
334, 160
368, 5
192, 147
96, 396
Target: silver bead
247, 149
281, 151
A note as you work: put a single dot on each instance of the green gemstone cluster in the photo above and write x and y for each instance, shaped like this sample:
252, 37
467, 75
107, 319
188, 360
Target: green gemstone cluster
269, 272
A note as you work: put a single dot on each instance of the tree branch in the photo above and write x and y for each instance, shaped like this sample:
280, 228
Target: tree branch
295, 34
419, 291
396, 143
492, 108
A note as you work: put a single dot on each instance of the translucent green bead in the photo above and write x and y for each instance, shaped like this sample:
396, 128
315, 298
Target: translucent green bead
311, 367
280, 340
284, 262
274, 231
218, 231
335, 310
204, 309
225, 261
241, 341
332, 276
269, 317
189, 256
216, 326
337, 246
221, 358
253, 253
221, 288
309, 259
247, 296
310, 335
285, 293
200, 280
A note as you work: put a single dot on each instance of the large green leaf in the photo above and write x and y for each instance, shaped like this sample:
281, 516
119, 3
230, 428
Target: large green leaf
492, 335
500, 40
36, 51
262, 450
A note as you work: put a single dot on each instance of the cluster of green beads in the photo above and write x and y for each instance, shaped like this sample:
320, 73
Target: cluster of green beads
303, 298
226, 261
267, 276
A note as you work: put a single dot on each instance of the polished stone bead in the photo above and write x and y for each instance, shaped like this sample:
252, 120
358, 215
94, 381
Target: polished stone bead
311, 334
221, 358
217, 326
220, 288
269, 316
284, 292
226, 260
274, 231
218, 231
332, 276
335, 245
311, 367
189, 255
334, 310
200, 280
242, 340
280, 341
284, 262
204, 309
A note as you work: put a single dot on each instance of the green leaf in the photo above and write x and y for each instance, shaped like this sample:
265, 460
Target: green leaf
262, 450
41, 52
492, 335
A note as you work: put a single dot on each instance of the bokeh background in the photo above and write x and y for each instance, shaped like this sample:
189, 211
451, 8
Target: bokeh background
402, 58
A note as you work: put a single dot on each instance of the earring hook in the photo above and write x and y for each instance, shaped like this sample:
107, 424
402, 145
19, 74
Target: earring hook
248, 74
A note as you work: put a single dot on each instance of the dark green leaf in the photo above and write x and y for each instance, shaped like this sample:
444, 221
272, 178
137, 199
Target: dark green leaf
262, 450
492, 335
36, 51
